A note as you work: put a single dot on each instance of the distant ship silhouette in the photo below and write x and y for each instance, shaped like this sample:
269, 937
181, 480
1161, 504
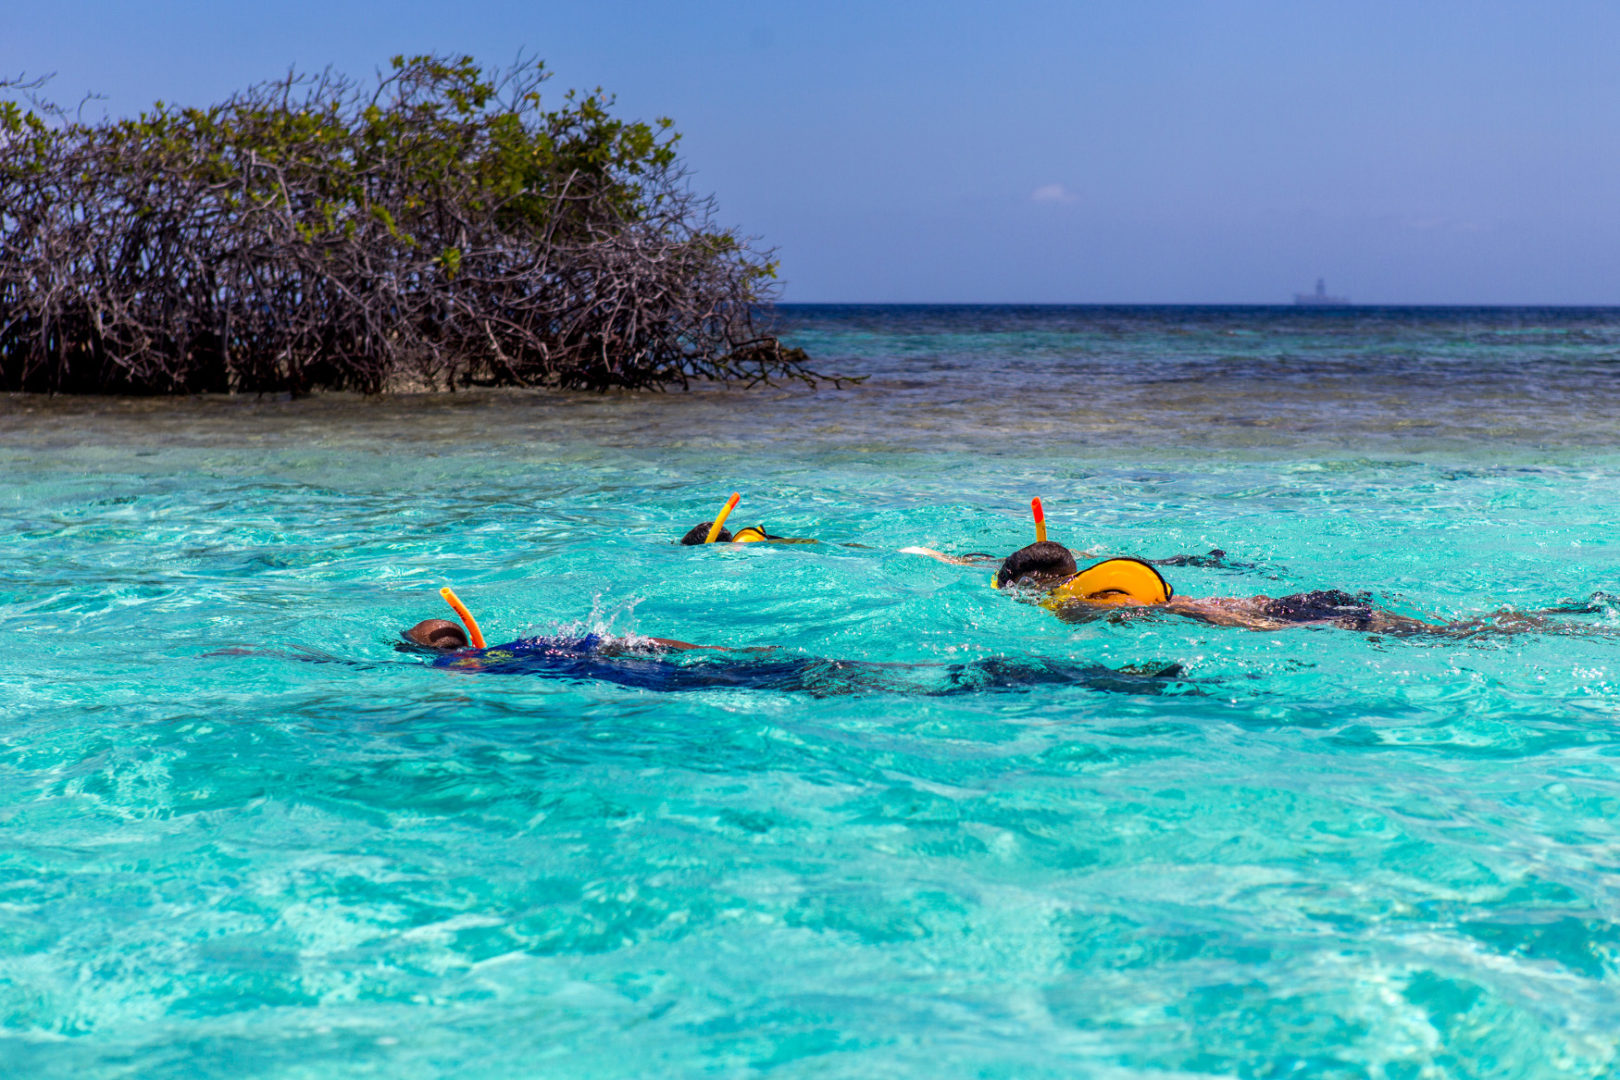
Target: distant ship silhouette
1320, 298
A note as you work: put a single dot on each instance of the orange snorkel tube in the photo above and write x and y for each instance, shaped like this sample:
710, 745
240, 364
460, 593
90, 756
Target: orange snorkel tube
1040, 529
731, 504
473, 634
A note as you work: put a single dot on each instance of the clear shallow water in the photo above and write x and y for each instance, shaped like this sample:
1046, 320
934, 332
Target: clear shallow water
1313, 853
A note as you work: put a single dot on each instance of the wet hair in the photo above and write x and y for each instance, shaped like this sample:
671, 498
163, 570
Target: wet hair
440, 635
1041, 563
700, 533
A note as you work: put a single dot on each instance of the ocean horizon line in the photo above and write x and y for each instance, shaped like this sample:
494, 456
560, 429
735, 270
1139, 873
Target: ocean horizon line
1205, 304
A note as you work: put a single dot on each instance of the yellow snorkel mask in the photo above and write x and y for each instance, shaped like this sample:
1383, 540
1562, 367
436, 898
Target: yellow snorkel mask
756, 534
1112, 583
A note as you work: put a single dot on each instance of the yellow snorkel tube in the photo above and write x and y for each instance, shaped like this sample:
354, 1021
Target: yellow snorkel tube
473, 634
720, 519
1114, 582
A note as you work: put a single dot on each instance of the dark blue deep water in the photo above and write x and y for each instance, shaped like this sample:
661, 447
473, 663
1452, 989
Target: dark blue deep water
934, 831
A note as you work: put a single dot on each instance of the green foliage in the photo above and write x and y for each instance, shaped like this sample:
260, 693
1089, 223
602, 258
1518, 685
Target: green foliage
441, 226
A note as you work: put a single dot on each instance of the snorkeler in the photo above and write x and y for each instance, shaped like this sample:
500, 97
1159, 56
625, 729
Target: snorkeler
649, 664
715, 532
753, 534
1124, 587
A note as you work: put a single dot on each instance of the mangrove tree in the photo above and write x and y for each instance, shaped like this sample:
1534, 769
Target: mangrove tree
438, 226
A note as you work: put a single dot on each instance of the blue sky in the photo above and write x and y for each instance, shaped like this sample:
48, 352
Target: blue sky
1431, 152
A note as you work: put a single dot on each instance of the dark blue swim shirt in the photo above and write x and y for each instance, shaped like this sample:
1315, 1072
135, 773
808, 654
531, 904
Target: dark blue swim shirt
593, 657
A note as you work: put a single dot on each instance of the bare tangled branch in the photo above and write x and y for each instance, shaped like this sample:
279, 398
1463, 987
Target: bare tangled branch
438, 229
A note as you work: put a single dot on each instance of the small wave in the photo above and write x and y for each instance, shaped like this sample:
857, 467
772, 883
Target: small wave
608, 622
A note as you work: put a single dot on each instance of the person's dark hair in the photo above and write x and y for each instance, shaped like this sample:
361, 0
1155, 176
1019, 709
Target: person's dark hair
1041, 563
700, 533
441, 635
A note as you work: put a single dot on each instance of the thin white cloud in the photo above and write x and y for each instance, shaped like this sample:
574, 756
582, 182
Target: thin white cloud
1051, 193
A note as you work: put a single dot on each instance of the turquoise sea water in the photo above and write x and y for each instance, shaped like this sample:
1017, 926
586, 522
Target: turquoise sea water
240, 834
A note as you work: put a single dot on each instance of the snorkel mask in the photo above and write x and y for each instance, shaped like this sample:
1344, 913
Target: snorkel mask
1114, 583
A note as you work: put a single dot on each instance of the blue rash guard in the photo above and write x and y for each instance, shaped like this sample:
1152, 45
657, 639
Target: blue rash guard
599, 659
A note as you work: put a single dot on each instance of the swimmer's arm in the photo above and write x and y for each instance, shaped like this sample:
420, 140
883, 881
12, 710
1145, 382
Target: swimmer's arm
1219, 612
678, 646
950, 560
684, 646
672, 645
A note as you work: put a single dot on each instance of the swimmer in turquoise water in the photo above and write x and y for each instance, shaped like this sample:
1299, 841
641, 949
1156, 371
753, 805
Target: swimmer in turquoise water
715, 532
753, 534
1120, 588
665, 665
